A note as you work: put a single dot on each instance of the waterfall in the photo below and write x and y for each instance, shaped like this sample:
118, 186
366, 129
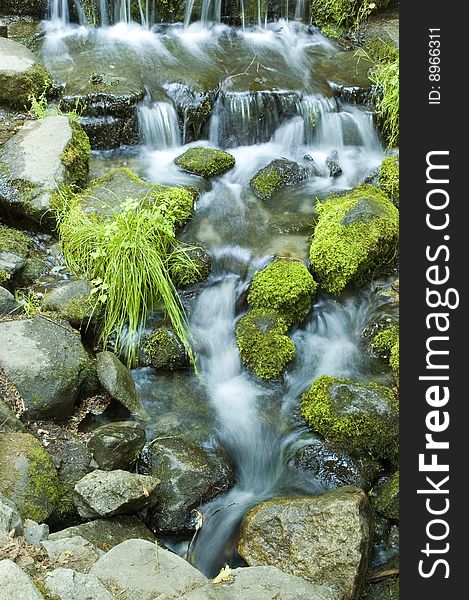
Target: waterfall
103, 12
158, 125
59, 11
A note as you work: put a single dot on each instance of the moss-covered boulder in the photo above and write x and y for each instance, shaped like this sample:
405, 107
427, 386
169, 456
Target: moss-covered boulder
205, 162
360, 418
28, 476
163, 350
72, 301
386, 343
284, 286
388, 178
108, 194
275, 175
191, 265
40, 158
21, 76
263, 343
14, 250
356, 237
385, 497
117, 445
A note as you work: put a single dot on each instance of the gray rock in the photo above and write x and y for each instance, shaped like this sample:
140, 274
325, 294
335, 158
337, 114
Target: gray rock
67, 584
9, 517
21, 76
107, 533
189, 477
335, 170
46, 362
35, 533
14, 250
325, 539
75, 553
109, 493
71, 300
8, 420
8, 304
277, 174
262, 583
11, 263
363, 211
14, 583
139, 570
117, 445
118, 383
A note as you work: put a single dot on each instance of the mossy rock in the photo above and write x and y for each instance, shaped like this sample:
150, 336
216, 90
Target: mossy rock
21, 76
385, 497
163, 350
107, 194
73, 301
76, 156
275, 175
360, 418
28, 476
205, 162
263, 343
388, 178
284, 286
386, 343
14, 249
356, 237
341, 13
187, 272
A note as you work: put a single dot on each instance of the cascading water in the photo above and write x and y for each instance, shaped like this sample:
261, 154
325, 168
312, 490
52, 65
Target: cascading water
158, 125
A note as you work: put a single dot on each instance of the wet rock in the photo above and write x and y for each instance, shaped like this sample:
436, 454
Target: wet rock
194, 107
29, 478
8, 304
118, 383
336, 467
205, 162
75, 552
14, 250
46, 362
276, 174
189, 477
325, 539
35, 533
107, 533
164, 350
347, 74
117, 445
355, 238
41, 156
21, 76
360, 418
335, 170
385, 497
9, 517
291, 224
15, 583
109, 493
136, 568
67, 584
72, 301
183, 276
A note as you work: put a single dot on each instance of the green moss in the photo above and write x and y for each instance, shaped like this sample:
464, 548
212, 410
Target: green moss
163, 350
356, 237
379, 50
386, 343
388, 178
205, 161
266, 182
385, 497
344, 13
360, 418
4, 276
76, 156
263, 344
44, 591
16, 90
191, 265
284, 286
177, 203
333, 31
14, 241
29, 477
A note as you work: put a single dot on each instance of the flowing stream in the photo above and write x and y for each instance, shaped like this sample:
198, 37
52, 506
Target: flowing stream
270, 102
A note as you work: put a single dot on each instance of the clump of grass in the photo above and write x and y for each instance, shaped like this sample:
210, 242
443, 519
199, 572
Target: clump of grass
385, 77
349, 14
40, 109
128, 257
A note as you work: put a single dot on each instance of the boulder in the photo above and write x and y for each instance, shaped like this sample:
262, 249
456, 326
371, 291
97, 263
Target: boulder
117, 445
14, 583
164, 350
14, 250
325, 539
8, 304
355, 238
75, 552
137, 570
42, 156
359, 418
9, 517
118, 383
109, 493
72, 301
205, 162
47, 363
35, 533
107, 533
285, 286
189, 477
275, 175
67, 584
263, 343
21, 75
28, 476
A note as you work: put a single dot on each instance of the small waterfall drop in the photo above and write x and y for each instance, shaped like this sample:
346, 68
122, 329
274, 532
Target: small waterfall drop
158, 125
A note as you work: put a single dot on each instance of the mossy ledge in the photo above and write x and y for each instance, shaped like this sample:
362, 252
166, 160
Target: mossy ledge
356, 237
388, 178
360, 418
205, 162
